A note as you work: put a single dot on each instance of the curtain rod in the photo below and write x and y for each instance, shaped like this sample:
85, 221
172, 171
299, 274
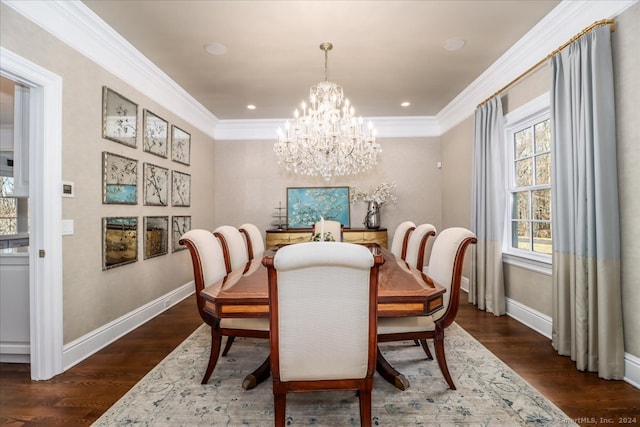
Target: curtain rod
545, 59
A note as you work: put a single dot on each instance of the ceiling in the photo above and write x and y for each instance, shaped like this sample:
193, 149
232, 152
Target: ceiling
385, 52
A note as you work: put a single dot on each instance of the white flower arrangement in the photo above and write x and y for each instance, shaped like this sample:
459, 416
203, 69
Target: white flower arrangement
326, 237
381, 194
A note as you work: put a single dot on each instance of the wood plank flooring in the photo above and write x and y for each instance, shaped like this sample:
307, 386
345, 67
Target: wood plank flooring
80, 395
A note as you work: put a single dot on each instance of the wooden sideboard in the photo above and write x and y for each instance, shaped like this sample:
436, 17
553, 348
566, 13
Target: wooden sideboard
352, 235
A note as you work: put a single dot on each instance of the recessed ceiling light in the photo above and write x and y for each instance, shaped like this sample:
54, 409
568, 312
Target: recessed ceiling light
215, 48
405, 104
455, 43
251, 107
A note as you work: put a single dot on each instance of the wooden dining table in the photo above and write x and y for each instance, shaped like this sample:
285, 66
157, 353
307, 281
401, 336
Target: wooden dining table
402, 291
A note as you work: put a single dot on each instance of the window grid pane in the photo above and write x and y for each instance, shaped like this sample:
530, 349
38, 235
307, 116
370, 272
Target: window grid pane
521, 235
541, 203
543, 136
523, 143
524, 173
542, 237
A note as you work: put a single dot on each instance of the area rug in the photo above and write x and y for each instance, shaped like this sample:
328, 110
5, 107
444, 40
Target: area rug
488, 392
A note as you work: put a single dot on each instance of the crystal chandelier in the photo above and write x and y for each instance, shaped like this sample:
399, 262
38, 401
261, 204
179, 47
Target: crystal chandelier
326, 139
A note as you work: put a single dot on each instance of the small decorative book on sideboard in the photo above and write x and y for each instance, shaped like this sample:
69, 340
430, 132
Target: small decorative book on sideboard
352, 235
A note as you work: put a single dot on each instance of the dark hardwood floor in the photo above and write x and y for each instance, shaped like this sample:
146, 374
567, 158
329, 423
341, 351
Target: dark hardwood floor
80, 395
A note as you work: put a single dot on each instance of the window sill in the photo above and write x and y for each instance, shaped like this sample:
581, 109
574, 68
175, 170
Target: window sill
537, 265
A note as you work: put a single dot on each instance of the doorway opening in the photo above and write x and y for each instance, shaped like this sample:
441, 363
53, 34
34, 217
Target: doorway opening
44, 210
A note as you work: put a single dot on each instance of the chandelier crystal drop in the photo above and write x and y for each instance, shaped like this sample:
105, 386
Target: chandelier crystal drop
326, 138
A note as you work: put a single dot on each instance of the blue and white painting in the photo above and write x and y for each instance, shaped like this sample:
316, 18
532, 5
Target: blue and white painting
306, 205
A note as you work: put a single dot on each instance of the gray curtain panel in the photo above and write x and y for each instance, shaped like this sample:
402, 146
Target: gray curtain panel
486, 287
587, 305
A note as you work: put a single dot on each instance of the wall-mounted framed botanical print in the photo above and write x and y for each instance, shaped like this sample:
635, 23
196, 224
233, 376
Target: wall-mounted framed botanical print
119, 118
181, 189
180, 146
179, 226
119, 179
156, 134
155, 185
119, 241
156, 236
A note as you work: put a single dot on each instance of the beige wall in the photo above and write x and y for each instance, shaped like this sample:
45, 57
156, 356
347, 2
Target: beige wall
534, 289
249, 182
92, 297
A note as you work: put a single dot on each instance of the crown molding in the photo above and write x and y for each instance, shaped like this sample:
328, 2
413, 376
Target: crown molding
561, 24
386, 127
79, 27
76, 25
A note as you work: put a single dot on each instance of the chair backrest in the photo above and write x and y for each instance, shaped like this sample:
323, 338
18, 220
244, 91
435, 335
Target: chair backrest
330, 226
401, 238
445, 267
233, 247
208, 262
253, 240
417, 243
323, 302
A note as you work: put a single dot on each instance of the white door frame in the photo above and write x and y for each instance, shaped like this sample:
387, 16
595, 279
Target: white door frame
45, 211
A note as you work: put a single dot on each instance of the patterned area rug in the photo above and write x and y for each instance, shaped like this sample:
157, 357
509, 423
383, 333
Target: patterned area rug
489, 393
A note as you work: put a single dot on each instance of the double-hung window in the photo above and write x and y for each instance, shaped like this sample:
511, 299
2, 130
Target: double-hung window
528, 236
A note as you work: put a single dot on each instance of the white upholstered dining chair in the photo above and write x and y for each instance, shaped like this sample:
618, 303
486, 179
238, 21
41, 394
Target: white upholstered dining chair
417, 244
323, 303
233, 246
209, 268
445, 268
253, 240
401, 238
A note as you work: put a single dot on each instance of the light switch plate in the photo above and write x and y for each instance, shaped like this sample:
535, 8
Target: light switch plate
67, 227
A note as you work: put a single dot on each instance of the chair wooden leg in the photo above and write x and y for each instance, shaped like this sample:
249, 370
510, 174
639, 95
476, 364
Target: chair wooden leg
227, 345
425, 347
279, 408
216, 343
438, 343
365, 407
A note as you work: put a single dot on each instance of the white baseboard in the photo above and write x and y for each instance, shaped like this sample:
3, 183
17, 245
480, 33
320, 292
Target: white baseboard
541, 323
15, 353
83, 347
632, 370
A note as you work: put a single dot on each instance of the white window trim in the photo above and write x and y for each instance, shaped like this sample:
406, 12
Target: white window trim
540, 263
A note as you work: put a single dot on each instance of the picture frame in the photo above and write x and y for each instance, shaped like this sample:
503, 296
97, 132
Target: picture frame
156, 236
156, 134
155, 181
119, 118
119, 241
181, 189
119, 179
180, 224
307, 205
180, 146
